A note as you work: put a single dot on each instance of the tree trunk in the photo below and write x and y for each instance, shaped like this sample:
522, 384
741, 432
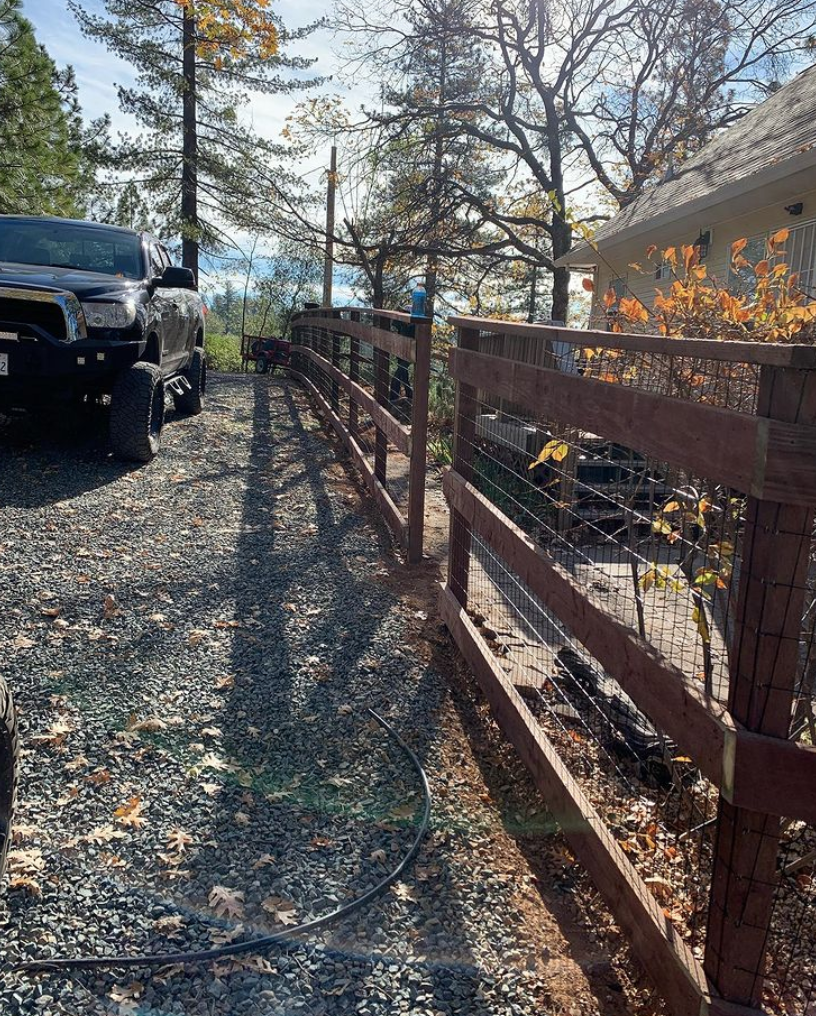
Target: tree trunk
189, 167
432, 268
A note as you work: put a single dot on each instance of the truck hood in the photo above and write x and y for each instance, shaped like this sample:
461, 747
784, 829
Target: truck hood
86, 285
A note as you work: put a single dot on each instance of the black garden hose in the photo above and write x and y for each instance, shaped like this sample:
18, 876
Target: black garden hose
265, 942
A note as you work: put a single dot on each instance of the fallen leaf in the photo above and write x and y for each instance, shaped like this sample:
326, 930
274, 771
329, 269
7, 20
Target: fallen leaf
263, 861
110, 608
226, 902
130, 814
27, 883
404, 892
242, 819
178, 840
149, 725
283, 911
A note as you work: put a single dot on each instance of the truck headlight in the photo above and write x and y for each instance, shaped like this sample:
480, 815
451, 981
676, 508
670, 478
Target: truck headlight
110, 315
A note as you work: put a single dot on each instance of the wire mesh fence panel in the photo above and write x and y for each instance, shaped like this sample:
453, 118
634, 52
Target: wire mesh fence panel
369, 370
704, 567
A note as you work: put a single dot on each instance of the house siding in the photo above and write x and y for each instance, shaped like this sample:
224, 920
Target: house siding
615, 261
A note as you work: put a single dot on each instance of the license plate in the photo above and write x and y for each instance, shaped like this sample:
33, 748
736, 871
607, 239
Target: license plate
4, 366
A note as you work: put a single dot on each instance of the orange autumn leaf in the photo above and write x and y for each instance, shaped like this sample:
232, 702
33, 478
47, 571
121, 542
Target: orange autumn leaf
588, 284
738, 246
609, 298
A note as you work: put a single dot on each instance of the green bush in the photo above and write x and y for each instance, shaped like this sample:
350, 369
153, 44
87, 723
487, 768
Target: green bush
223, 353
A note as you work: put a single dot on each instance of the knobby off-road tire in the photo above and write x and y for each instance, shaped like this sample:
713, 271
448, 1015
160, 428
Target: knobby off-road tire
137, 413
9, 755
192, 402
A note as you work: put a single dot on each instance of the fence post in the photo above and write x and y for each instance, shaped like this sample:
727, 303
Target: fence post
419, 438
382, 380
335, 359
763, 665
354, 374
464, 440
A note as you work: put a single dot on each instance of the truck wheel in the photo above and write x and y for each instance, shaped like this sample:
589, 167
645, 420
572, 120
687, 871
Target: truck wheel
261, 366
137, 413
192, 402
9, 754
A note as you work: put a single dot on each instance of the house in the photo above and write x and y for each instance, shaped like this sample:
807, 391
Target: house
751, 180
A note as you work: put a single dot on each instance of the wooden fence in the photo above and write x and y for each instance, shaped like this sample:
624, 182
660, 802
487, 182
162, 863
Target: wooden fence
345, 358
739, 740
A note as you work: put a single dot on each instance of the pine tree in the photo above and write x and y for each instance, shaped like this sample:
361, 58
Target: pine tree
195, 62
430, 167
48, 155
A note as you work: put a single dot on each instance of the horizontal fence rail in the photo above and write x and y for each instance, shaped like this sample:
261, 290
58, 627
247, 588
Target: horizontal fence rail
369, 371
632, 578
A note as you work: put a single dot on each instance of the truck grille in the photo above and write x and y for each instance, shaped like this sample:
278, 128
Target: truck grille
42, 314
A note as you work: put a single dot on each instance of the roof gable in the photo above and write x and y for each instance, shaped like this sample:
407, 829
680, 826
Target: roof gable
775, 132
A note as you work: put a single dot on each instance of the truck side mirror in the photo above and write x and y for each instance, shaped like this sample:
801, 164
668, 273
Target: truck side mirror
175, 278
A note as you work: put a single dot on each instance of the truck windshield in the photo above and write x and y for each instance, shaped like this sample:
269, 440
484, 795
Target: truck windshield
71, 245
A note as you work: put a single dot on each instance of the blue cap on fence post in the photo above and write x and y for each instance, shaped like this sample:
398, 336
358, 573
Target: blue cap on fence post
418, 301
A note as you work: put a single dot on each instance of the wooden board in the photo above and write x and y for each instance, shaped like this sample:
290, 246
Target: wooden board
391, 342
393, 516
654, 939
398, 434
775, 354
769, 459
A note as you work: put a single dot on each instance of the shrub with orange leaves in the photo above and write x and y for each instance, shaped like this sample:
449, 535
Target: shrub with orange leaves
697, 305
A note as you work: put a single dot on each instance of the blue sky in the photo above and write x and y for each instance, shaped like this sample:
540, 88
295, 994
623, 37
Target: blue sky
98, 71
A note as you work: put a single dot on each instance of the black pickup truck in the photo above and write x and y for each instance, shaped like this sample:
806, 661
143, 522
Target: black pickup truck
90, 310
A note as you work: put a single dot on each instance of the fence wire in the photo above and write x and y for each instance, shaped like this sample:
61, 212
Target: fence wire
661, 551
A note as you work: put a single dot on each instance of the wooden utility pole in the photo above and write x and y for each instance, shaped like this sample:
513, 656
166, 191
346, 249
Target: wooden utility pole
328, 265
189, 163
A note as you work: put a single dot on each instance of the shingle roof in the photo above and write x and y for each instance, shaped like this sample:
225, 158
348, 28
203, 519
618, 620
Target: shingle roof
777, 130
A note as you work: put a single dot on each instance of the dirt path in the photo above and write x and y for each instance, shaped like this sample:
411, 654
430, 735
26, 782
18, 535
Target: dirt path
193, 646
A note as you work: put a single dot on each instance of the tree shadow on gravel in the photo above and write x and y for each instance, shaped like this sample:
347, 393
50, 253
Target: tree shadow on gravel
314, 784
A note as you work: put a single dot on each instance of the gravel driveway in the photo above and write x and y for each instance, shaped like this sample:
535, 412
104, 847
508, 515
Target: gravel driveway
193, 645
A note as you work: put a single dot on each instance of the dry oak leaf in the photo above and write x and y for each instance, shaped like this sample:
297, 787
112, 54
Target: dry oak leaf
282, 910
226, 902
169, 926
149, 725
126, 996
228, 681
25, 862
103, 834
27, 883
110, 608
130, 814
57, 733
178, 840
263, 860
404, 892
242, 819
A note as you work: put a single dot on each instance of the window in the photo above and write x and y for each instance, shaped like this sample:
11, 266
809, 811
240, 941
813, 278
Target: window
157, 263
800, 254
663, 271
742, 280
71, 245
